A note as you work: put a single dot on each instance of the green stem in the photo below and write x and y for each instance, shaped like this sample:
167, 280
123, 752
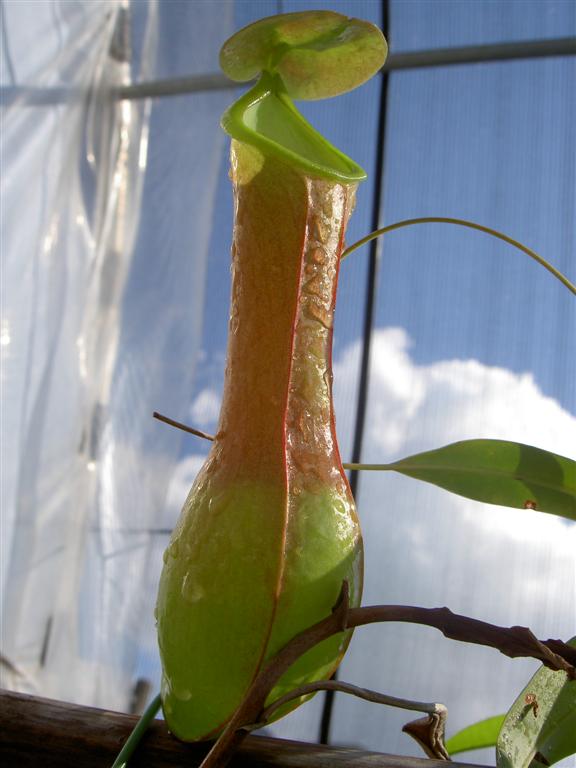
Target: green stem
471, 225
136, 736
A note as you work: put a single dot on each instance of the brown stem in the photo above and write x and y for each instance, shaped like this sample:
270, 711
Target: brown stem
511, 641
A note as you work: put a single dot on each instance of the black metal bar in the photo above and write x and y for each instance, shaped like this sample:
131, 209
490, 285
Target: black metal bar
374, 258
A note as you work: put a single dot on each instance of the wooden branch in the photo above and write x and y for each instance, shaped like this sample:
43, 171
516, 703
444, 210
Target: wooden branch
41, 732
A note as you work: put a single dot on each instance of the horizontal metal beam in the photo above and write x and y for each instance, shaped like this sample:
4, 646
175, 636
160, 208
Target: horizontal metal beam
477, 54
33, 96
177, 86
441, 57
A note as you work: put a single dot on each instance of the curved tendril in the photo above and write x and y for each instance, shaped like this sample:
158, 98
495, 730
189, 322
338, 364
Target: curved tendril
136, 736
353, 690
471, 225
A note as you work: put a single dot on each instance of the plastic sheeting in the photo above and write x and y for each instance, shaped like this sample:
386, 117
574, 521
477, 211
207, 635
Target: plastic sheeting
102, 284
72, 175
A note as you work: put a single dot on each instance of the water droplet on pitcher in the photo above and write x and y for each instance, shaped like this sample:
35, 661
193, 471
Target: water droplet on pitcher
166, 691
182, 693
217, 502
191, 590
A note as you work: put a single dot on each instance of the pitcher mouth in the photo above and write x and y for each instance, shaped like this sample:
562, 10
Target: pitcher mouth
267, 118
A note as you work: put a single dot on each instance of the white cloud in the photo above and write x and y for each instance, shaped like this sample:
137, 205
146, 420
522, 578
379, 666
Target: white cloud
414, 407
181, 482
205, 408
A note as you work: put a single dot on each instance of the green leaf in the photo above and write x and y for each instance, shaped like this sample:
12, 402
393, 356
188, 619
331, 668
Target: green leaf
496, 472
476, 736
317, 54
540, 728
